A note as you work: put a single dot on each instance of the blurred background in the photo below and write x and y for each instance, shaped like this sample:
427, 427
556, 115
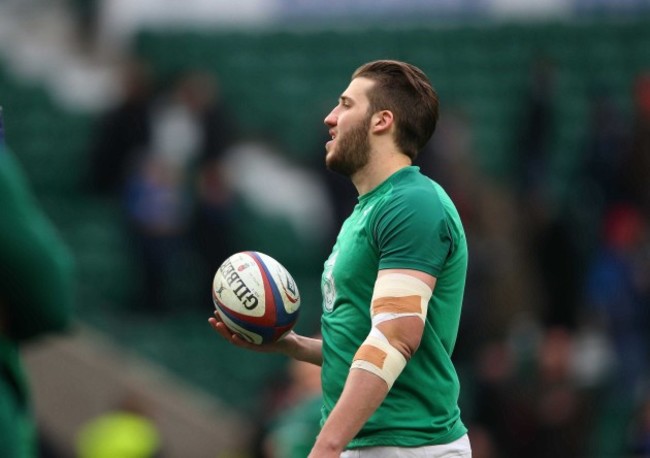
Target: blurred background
162, 136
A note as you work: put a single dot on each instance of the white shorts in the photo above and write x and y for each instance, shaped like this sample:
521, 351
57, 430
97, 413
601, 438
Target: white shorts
458, 449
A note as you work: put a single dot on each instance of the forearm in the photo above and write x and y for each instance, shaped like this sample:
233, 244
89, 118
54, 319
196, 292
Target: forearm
302, 348
362, 395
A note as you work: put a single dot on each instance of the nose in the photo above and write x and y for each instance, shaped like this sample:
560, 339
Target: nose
330, 119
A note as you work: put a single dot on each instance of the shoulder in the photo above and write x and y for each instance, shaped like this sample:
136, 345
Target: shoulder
413, 205
416, 192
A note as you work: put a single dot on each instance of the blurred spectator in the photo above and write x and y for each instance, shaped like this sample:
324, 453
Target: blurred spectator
618, 293
189, 132
123, 133
36, 295
600, 181
483, 445
547, 238
501, 287
563, 411
201, 93
639, 433
605, 147
532, 405
555, 261
294, 429
495, 414
637, 166
214, 213
536, 132
214, 206
157, 208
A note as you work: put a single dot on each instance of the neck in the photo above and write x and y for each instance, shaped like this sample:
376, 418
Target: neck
378, 169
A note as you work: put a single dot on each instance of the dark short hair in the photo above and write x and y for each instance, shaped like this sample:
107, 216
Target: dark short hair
406, 91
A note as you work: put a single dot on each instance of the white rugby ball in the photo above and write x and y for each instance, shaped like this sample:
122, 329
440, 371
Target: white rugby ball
256, 297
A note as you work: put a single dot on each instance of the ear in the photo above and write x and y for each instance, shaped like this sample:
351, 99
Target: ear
382, 121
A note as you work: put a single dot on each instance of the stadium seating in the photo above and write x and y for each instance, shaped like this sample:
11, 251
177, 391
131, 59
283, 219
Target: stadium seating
284, 82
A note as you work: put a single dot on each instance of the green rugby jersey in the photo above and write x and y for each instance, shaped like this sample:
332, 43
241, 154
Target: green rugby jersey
407, 222
36, 295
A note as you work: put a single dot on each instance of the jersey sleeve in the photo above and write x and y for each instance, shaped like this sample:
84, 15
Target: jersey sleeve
36, 268
411, 232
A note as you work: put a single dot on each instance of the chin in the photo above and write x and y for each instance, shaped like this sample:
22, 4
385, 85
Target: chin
330, 158
336, 167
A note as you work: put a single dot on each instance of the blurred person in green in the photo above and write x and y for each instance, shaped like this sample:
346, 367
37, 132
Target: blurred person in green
294, 430
36, 292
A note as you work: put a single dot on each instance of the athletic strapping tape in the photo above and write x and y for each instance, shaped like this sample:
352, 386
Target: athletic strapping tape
395, 296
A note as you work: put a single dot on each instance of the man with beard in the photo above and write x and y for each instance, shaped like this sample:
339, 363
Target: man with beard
393, 284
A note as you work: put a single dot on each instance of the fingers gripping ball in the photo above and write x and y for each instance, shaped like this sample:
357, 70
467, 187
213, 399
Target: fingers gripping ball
256, 297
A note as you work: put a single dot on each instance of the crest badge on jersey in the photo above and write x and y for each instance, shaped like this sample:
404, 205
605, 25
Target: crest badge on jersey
327, 284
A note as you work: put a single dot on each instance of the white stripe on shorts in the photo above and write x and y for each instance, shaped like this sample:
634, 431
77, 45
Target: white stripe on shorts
458, 449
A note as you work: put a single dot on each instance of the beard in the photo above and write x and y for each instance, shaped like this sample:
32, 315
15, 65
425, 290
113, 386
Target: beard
352, 150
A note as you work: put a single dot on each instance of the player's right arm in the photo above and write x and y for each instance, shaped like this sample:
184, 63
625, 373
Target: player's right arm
296, 346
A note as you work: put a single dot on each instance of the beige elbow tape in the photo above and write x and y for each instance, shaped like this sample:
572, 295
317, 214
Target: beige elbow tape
395, 296
399, 295
378, 356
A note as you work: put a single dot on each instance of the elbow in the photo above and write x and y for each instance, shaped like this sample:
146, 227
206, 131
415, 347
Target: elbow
407, 346
404, 334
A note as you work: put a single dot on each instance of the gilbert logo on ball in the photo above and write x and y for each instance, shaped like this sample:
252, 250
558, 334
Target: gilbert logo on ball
256, 297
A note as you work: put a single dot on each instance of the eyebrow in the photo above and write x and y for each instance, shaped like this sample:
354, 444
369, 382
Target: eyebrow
345, 98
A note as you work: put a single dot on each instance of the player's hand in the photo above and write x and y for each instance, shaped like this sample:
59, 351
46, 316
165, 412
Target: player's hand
218, 325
